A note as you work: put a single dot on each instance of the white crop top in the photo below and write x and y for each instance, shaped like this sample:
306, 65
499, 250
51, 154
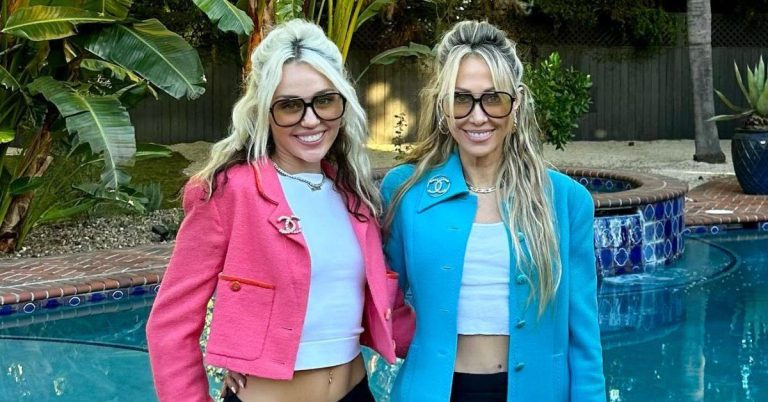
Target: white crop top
333, 323
484, 294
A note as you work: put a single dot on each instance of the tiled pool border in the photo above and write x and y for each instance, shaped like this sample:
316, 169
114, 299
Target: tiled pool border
49, 305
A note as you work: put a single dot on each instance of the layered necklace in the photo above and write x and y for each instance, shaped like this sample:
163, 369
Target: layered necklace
312, 186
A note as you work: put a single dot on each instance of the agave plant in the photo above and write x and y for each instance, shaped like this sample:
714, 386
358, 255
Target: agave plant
75, 67
756, 94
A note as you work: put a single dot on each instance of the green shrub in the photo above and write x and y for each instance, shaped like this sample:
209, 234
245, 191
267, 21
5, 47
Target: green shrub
561, 96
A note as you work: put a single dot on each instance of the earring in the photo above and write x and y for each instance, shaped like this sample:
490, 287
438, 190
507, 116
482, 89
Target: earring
514, 123
442, 125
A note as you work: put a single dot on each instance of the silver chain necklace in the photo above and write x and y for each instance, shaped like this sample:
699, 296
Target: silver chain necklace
312, 186
481, 190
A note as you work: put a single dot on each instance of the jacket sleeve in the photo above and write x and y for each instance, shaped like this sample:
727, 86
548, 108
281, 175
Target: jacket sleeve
178, 314
403, 317
585, 353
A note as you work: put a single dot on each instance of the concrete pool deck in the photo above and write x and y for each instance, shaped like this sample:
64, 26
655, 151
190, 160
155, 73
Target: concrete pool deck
718, 202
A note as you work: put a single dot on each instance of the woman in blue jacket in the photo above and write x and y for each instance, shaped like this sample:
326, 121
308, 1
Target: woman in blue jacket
495, 250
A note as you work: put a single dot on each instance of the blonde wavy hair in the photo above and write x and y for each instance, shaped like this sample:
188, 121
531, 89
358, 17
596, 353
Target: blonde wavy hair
524, 186
250, 138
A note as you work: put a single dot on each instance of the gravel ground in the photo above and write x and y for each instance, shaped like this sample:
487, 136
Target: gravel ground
670, 158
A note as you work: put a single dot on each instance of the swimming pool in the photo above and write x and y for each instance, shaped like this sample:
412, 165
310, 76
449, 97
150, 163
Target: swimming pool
694, 330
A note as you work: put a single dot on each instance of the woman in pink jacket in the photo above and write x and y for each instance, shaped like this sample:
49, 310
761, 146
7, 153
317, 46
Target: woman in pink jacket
282, 226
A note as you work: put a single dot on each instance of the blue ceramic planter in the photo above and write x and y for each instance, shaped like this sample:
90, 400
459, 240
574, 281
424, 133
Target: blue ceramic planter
749, 152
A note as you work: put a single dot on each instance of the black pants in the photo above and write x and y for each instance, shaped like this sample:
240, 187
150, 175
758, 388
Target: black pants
360, 393
479, 387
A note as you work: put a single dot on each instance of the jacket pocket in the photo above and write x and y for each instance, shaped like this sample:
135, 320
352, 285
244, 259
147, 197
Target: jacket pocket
241, 315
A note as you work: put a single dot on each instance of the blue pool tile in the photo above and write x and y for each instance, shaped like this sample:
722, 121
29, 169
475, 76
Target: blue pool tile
763, 226
606, 257
649, 232
659, 207
7, 310
668, 208
668, 248
648, 212
52, 303
636, 255
648, 255
621, 257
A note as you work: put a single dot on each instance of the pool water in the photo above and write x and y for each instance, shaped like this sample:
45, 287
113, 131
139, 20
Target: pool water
696, 330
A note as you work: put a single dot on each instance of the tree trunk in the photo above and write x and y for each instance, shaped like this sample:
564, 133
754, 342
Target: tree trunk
262, 15
699, 19
33, 163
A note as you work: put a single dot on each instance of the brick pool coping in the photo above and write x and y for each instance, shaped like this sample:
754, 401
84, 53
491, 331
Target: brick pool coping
30, 279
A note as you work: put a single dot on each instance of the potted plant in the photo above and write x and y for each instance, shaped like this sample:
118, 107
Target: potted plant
749, 146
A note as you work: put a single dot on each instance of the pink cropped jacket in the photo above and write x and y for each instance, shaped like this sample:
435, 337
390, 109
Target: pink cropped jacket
242, 246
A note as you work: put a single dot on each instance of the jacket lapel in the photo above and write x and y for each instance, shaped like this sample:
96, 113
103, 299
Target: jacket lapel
281, 217
443, 183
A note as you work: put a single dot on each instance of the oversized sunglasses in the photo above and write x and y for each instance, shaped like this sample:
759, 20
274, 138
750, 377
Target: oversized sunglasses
328, 107
495, 104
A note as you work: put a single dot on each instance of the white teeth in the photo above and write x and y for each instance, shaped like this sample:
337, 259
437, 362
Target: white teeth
309, 138
479, 135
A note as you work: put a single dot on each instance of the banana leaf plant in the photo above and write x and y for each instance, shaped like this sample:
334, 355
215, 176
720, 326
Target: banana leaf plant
341, 18
77, 66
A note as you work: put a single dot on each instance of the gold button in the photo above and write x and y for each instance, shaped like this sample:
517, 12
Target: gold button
235, 286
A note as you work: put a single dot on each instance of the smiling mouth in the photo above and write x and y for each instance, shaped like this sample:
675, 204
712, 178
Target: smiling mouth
310, 139
479, 135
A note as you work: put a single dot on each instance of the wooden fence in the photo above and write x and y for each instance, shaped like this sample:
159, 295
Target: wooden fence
634, 97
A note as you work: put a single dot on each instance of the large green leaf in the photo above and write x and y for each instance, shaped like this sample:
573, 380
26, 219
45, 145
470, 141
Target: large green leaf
7, 135
392, 55
226, 16
286, 10
371, 11
8, 80
117, 71
100, 121
47, 23
154, 52
117, 8
25, 184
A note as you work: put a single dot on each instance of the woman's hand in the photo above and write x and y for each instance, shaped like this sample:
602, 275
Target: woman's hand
233, 382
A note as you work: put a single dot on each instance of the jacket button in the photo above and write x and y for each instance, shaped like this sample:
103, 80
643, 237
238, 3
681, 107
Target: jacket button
521, 279
388, 314
520, 324
235, 286
519, 366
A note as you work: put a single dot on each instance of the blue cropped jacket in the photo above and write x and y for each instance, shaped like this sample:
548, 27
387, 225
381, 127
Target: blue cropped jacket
555, 357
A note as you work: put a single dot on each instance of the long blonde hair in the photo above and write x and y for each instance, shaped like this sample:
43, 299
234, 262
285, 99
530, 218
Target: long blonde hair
524, 196
250, 138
